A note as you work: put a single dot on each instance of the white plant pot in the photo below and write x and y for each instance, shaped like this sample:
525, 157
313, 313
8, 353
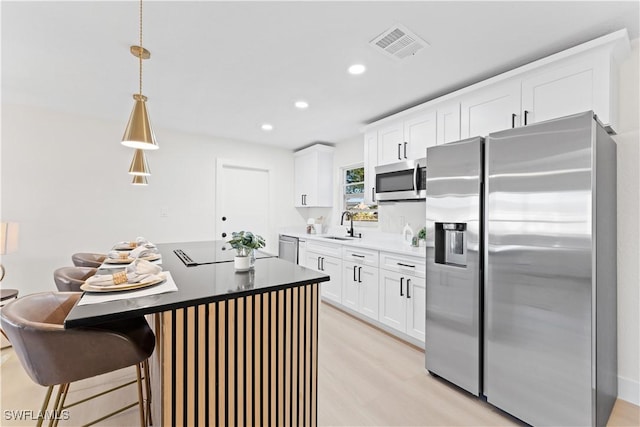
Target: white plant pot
242, 263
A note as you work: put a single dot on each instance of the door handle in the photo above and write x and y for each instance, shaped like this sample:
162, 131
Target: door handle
415, 179
401, 280
405, 265
319, 264
359, 274
526, 114
373, 194
322, 263
408, 285
354, 273
399, 158
405, 150
356, 255
513, 120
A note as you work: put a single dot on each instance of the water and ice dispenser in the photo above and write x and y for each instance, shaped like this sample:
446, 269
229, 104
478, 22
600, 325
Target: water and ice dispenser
451, 243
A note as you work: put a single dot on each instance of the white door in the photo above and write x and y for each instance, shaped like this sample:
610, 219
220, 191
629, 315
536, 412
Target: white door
368, 296
393, 300
492, 109
416, 301
350, 285
419, 133
390, 144
242, 201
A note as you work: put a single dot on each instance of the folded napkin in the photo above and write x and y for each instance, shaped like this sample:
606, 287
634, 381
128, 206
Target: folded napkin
136, 272
139, 252
140, 241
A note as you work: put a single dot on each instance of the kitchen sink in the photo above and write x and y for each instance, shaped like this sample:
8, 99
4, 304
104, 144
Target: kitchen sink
337, 238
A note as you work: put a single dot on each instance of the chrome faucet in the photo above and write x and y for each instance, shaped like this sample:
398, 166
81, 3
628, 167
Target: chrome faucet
350, 232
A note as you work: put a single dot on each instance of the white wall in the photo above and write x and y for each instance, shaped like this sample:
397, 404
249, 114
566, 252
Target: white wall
65, 181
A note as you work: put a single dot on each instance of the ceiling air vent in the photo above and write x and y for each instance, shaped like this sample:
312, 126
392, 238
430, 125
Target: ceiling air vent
398, 42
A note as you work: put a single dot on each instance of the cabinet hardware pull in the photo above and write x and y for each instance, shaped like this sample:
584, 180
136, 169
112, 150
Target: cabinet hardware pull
399, 158
405, 150
373, 194
318, 263
359, 274
322, 263
359, 256
408, 285
406, 265
513, 120
354, 272
526, 113
401, 280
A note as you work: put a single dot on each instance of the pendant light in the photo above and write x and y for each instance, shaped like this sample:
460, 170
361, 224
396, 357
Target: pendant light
139, 164
138, 133
139, 180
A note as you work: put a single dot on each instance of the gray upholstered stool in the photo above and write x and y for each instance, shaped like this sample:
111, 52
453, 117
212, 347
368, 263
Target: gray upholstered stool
53, 355
87, 259
69, 279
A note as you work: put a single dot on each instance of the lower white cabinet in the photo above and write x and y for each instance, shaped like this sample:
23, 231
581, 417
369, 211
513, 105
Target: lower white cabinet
402, 302
360, 288
332, 289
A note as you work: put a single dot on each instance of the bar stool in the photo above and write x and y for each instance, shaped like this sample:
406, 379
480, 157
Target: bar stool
69, 279
7, 295
52, 355
87, 259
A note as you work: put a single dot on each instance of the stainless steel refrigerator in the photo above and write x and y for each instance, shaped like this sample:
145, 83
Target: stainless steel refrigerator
521, 270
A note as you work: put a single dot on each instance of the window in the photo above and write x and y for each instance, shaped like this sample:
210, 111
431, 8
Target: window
353, 195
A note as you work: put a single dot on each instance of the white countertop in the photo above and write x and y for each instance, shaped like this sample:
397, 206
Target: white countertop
386, 242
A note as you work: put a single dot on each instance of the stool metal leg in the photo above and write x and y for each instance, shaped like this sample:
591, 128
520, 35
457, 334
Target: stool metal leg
45, 403
140, 396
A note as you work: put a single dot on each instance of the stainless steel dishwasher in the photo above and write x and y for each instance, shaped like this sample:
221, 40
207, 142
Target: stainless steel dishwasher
288, 248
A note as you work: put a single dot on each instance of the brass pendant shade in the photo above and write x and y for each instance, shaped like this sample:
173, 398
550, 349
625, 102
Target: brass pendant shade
139, 180
139, 164
138, 133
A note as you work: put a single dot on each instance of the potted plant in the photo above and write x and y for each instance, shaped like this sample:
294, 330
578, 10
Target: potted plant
422, 236
245, 242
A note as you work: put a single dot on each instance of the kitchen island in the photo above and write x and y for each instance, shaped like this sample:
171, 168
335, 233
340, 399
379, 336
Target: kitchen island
231, 348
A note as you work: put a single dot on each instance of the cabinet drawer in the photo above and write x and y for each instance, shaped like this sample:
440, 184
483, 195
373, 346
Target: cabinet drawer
360, 256
325, 248
403, 263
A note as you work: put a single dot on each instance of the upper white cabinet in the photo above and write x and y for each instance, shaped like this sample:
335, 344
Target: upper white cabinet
491, 109
448, 122
370, 162
567, 88
313, 181
407, 139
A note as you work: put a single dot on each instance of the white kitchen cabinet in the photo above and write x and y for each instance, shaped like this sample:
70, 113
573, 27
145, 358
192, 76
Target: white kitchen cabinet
402, 302
568, 88
448, 122
494, 108
332, 266
360, 281
419, 133
370, 163
302, 252
390, 143
313, 180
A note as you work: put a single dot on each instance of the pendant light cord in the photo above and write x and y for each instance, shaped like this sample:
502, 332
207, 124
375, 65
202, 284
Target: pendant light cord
141, 48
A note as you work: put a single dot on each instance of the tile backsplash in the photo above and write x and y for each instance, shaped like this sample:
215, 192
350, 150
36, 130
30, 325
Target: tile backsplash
392, 216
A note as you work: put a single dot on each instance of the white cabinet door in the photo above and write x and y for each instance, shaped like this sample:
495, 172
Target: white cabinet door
302, 253
368, 295
306, 169
313, 176
390, 143
416, 301
350, 285
419, 133
492, 109
561, 91
370, 163
448, 122
393, 301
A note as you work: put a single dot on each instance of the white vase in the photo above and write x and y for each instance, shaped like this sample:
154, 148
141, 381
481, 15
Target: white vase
242, 263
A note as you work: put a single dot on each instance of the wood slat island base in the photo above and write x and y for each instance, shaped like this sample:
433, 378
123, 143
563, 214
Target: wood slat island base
248, 360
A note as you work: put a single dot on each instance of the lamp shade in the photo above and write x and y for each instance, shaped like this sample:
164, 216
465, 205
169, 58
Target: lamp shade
8, 237
139, 164
138, 133
139, 180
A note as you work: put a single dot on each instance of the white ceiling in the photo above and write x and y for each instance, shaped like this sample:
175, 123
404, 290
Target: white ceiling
224, 68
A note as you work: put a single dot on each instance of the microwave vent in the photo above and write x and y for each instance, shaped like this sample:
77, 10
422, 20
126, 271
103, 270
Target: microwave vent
398, 42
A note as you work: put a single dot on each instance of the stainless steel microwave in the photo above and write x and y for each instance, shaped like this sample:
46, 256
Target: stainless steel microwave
405, 180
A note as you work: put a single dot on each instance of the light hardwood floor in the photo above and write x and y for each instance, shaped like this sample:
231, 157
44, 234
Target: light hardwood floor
366, 378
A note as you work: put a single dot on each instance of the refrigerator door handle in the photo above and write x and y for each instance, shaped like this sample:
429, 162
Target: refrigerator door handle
401, 280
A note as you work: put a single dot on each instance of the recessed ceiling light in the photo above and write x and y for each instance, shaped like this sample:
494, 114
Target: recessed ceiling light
302, 105
356, 69
267, 127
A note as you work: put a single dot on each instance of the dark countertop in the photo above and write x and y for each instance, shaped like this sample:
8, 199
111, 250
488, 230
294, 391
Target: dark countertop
199, 284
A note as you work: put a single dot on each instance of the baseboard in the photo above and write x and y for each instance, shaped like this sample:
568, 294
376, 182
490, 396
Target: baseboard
629, 390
